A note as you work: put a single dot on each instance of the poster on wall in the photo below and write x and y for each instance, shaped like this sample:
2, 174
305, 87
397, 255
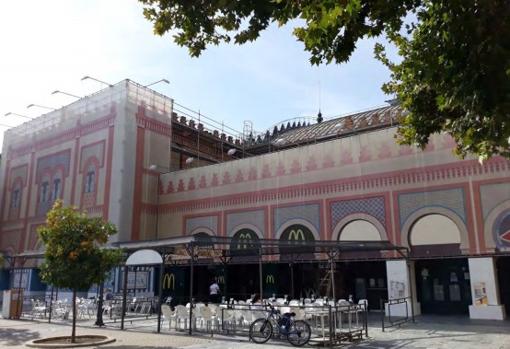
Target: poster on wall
481, 294
397, 289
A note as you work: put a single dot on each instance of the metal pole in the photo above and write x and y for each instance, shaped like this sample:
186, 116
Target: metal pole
161, 272
99, 314
191, 289
51, 304
134, 288
20, 293
291, 264
261, 281
332, 270
124, 296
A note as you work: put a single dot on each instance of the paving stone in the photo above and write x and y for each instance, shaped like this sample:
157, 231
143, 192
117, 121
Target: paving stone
426, 333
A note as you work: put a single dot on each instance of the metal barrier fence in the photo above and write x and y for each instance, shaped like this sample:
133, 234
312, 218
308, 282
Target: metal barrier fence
330, 324
398, 311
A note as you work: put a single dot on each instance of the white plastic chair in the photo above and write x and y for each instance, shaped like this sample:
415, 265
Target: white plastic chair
229, 320
207, 318
168, 314
182, 314
300, 313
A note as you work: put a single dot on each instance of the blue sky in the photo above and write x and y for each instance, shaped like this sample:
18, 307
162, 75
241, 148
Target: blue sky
49, 45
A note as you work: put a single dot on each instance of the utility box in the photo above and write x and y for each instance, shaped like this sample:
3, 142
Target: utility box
12, 303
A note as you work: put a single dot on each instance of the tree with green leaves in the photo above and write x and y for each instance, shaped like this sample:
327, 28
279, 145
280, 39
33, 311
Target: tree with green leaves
454, 72
75, 256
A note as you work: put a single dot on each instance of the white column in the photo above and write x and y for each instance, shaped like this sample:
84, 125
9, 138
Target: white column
401, 281
484, 290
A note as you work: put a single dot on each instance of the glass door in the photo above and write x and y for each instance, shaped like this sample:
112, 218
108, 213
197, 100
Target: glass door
443, 286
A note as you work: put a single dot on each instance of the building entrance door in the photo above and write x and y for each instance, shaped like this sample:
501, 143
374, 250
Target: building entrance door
443, 286
503, 266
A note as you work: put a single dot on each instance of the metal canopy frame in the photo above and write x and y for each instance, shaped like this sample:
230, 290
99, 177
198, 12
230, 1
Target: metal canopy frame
208, 249
221, 247
200, 250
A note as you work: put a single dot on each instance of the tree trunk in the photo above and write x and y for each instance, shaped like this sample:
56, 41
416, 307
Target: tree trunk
73, 333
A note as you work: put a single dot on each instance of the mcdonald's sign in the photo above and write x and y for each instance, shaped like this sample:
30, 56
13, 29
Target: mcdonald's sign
220, 279
270, 279
244, 239
169, 281
297, 235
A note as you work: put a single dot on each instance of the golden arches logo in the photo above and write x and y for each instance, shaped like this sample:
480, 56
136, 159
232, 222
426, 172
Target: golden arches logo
169, 282
220, 279
269, 279
244, 239
297, 235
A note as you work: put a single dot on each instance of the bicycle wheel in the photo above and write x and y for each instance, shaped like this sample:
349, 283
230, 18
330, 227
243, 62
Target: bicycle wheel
299, 333
261, 330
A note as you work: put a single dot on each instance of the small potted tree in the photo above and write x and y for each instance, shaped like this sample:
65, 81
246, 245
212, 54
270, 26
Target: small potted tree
75, 255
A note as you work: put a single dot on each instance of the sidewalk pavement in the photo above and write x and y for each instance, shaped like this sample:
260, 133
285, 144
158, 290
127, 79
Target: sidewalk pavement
427, 332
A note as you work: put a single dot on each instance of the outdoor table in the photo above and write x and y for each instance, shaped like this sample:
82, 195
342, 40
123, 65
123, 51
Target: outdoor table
320, 313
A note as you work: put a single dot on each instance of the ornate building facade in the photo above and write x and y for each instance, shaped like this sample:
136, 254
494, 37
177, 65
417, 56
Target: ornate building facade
126, 154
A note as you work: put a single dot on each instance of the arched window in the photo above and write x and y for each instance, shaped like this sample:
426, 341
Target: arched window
359, 230
57, 188
434, 234
44, 194
90, 180
16, 198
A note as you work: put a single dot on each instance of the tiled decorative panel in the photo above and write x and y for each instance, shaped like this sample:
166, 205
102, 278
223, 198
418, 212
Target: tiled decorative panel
95, 150
61, 159
255, 218
307, 212
208, 222
492, 195
452, 199
371, 206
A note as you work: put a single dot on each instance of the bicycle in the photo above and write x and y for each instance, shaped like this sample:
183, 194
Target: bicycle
297, 332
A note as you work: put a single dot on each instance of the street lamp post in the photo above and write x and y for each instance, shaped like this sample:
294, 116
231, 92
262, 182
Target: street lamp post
91, 78
65, 93
20, 115
40, 106
157, 82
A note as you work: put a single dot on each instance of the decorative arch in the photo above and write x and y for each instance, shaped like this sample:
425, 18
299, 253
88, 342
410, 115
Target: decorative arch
249, 226
358, 217
496, 217
201, 231
297, 221
414, 217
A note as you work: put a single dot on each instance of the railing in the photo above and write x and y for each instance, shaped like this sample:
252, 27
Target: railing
394, 320
330, 324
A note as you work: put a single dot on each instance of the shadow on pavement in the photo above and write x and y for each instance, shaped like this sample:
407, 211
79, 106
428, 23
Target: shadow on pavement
16, 336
